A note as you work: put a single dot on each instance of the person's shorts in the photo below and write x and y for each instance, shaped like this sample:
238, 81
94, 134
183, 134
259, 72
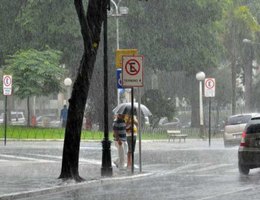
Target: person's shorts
129, 143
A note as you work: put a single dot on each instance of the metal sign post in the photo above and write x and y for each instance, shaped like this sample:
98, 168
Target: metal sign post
209, 121
7, 91
5, 127
139, 131
209, 88
132, 76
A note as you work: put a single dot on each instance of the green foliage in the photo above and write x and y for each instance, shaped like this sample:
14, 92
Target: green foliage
158, 105
244, 15
60, 19
175, 35
223, 90
35, 72
35, 24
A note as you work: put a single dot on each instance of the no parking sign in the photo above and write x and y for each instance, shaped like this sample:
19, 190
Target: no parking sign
132, 69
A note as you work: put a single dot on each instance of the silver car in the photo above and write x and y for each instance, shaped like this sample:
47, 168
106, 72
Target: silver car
234, 128
166, 124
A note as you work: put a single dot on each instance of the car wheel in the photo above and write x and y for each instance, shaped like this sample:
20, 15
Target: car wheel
243, 169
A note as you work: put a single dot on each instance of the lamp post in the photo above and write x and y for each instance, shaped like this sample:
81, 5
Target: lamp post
67, 83
200, 76
119, 11
106, 168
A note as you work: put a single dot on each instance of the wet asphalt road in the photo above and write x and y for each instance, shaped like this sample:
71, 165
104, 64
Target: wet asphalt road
171, 170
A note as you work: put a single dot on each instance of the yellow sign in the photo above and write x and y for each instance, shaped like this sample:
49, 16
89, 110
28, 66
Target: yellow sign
123, 52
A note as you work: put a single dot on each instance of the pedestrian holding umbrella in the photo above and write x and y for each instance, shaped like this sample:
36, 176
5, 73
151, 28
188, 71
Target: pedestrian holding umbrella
127, 109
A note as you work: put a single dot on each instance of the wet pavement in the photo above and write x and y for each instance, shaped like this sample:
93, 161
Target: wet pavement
32, 168
170, 170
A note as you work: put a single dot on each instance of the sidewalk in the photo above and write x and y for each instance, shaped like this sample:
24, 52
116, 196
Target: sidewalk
34, 180
24, 177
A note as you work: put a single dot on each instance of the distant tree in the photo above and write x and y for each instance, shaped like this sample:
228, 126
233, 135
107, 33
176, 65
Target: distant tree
159, 105
35, 73
59, 29
11, 34
91, 24
239, 23
177, 36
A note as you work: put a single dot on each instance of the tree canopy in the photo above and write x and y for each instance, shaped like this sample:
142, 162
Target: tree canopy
35, 73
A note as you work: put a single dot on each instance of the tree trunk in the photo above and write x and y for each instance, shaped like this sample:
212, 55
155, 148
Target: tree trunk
248, 79
233, 83
28, 111
90, 28
194, 99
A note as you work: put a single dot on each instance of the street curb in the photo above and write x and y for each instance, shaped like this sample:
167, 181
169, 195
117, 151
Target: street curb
68, 187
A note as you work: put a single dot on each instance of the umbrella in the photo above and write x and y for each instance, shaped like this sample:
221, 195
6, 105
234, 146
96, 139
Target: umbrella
125, 108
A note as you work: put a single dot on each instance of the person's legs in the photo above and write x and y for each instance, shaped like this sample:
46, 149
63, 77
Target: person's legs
121, 154
130, 150
116, 161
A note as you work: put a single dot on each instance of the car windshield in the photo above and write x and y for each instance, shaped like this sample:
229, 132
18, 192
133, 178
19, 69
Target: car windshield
16, 116
242, 119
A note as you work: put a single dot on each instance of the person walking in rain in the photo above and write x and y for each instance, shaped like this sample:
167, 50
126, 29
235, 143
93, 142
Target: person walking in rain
119, 129
63, 116
131, 146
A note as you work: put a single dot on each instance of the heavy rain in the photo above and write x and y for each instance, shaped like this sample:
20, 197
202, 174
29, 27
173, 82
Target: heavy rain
130, 99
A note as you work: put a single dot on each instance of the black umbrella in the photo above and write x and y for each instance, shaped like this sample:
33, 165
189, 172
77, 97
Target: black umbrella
125, 108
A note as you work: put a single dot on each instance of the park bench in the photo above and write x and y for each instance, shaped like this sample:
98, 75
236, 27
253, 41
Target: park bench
176, 134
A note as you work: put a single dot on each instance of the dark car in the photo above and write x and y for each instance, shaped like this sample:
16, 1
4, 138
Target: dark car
249, 149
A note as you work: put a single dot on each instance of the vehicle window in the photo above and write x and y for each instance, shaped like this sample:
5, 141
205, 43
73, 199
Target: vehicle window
253, 128
238, 120
13, 116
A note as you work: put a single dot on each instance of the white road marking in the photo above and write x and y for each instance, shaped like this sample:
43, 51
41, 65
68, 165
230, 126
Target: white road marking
24, 158
90, 161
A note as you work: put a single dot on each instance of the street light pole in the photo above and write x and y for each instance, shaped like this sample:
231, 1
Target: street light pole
117, 39
200, 76
119, 11
106, 169
117, 21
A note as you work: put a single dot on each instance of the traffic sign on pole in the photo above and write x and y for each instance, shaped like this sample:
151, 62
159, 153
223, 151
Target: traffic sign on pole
124, 52
209, 87
119, 78
132, 71
7, 85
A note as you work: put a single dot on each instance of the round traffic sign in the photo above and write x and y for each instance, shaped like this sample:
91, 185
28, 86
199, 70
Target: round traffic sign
210, 83
132, 67
7, 81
